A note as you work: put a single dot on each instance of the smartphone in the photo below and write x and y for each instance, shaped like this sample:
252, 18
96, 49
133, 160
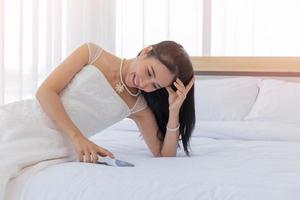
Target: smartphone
114, 162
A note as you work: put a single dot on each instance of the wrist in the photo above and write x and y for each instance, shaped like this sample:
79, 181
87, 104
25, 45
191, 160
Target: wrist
175, 129
173, 112
173, 121
74, 135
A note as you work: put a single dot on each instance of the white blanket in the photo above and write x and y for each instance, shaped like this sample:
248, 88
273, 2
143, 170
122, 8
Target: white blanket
19, 164
26, 146
218, 169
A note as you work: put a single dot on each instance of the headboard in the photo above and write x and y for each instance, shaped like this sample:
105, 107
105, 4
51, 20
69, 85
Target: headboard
246, 66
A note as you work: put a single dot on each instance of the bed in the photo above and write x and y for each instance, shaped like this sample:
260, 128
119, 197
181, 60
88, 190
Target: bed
246, 149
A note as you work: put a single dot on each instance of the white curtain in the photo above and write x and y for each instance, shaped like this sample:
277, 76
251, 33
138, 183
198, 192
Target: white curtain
211, 27
255, 28
37, 34
145, 22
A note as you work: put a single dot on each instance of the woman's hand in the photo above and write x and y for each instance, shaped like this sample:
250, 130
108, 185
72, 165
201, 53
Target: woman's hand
88, 151
177, 98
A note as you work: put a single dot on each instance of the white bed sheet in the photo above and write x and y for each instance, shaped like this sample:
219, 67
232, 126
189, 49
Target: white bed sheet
218, 169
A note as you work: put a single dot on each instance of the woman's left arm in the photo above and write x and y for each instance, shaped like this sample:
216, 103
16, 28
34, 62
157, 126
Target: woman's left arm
176, 99
147, 125
170, 143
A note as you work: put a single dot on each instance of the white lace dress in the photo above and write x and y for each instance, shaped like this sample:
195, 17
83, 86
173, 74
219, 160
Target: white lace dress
30, 141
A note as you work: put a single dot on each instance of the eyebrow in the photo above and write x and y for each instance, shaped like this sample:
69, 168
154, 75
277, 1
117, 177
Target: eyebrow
155, 75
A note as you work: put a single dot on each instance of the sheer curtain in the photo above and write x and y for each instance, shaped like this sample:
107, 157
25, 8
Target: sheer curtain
255, 28
211, 27
36, 35
144, 22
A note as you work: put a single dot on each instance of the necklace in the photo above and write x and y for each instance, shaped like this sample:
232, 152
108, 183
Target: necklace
121, 85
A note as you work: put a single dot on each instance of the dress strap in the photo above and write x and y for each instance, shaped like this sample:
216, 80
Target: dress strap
139, 105
94, 52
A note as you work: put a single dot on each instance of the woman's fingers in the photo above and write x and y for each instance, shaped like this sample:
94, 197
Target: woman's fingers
90, 157
80, 155
191, 83
87, 157
179, 87
180, 82
170, 90
181, 94
94, 157
184, 89
105, 152
89, 152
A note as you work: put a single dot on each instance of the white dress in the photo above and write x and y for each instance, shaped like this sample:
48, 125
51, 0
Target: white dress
30, 141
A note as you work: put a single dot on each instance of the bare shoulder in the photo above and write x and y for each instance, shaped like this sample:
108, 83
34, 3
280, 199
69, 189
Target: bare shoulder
67, 69
105, 60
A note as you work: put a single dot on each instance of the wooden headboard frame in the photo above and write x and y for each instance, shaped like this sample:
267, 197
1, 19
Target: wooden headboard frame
246, 66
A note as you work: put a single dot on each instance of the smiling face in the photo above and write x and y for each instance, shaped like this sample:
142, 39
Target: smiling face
148, 73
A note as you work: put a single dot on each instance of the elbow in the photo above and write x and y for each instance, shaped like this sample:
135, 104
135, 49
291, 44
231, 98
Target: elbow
37, 94
157, 155
169, 155
160, 154
42, 92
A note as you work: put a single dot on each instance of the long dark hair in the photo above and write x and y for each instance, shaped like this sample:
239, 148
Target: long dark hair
177, 60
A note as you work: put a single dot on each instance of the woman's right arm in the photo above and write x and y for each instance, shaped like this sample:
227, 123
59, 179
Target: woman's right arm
48, 92
49, 99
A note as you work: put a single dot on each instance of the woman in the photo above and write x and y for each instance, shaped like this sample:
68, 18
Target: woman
91, 90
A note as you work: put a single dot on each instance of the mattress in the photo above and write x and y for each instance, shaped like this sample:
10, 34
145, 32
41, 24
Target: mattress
217, 169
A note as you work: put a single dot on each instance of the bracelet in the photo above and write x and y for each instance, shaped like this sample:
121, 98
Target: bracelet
173, 129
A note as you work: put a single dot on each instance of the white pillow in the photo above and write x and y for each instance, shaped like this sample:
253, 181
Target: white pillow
248, 130
225, 99
278, 100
